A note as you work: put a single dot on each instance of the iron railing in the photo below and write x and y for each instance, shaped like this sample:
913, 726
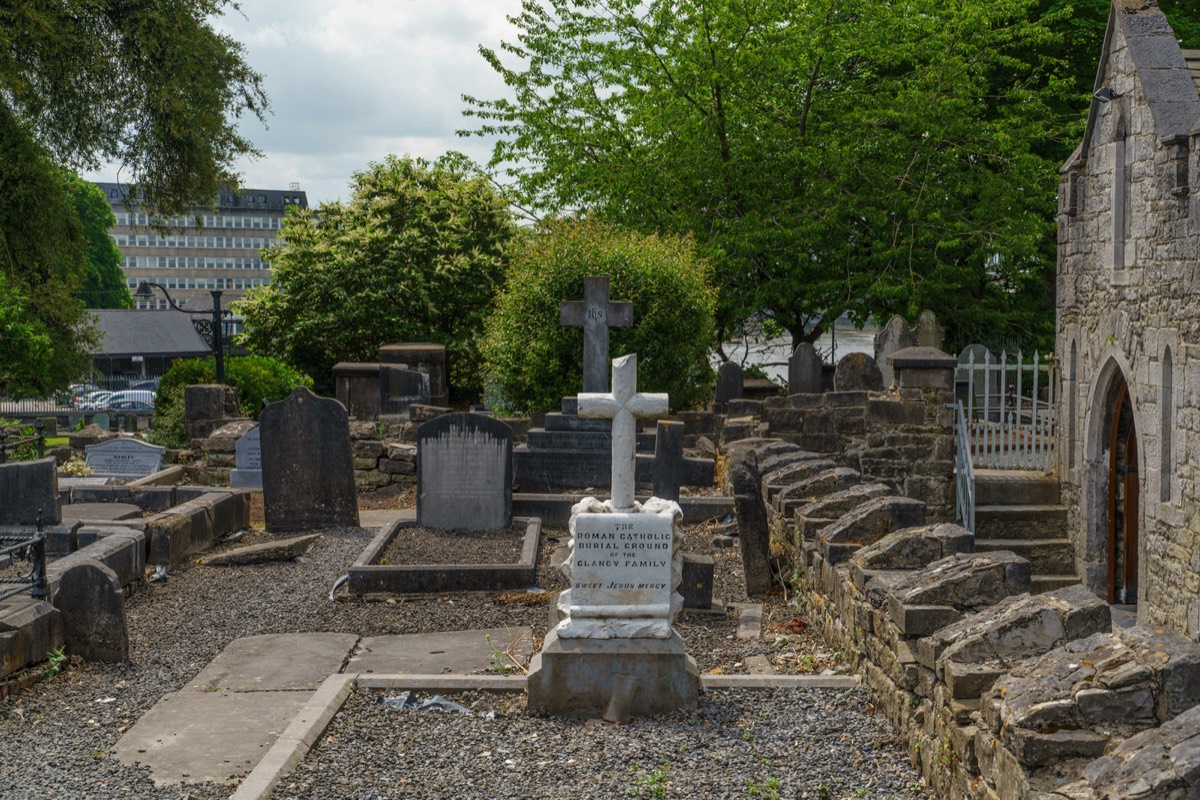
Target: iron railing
12, 447
29, 548
964, 470
1010, 411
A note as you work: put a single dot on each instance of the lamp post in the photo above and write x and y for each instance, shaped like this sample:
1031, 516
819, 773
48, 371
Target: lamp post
218, 344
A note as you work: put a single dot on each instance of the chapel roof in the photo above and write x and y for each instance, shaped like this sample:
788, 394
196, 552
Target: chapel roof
1192, 57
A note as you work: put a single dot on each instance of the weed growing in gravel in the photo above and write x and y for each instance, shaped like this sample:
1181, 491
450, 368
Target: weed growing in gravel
503, 661
54, 662
650, 784
768, 789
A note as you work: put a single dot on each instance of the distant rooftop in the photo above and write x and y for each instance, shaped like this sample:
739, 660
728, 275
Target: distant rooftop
227, 200
147, 333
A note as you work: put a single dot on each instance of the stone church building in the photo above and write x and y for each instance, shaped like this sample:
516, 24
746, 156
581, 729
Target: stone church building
1129, 325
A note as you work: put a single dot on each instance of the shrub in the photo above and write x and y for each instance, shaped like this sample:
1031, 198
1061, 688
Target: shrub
256, 378
532, 361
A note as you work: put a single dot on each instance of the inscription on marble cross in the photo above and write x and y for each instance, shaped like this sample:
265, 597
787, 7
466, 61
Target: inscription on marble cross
623, 406
595, 314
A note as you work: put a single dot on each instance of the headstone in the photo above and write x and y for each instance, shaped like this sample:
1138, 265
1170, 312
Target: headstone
401, 388
131, 423
668, 460
858, 372
894, 336
595, 314
248, 457
928, 332
49, 426
804, 370
729, 384
307, 466
92, 603
124, 458
101, 421
623, 405
464, 472
28, 488
357, 387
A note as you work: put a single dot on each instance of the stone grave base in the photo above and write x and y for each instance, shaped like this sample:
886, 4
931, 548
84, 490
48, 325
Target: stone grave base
574, 677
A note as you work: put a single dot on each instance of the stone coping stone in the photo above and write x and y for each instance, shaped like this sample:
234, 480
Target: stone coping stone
368, 577
911, 549
1162, 762
922, 358
965, 581
101, 512
60, 539
29, 629
867, 524
123, 550
822, 484
264, 553
778, 481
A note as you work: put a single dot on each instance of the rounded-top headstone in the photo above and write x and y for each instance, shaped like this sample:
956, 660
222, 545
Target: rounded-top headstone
464, 472
805, 370
857, 372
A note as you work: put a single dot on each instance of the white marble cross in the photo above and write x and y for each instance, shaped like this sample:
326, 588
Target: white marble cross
622, 406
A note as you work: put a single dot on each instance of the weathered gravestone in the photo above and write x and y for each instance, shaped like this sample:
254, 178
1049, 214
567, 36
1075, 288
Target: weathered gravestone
730, 385
894, 336
124, 458
464, 472
614, 648
668, 460
402, 388
307, 466
29, 488
595, 314
427, 358
928, 332
101, 421
248, 457
857, 372
804, 370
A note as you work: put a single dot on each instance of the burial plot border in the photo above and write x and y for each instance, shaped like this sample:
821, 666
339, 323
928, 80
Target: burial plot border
369, 577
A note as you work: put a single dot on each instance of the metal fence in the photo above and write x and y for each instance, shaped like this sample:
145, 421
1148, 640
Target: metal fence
1009, 409
23, 447
74, 399
964, 470
28, 548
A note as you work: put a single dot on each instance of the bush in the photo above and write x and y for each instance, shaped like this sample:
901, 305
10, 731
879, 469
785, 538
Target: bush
256, 378
532, 361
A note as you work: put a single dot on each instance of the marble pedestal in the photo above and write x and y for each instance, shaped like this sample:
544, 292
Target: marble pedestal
574, 677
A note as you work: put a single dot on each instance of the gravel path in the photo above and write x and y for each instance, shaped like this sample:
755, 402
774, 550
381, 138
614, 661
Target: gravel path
56, 737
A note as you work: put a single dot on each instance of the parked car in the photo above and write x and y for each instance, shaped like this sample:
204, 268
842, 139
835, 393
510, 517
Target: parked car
130, 405
77, 392
150, 385
94, 401
139, 395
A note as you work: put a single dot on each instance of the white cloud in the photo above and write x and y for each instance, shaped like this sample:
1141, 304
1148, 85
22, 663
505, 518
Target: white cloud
353, 80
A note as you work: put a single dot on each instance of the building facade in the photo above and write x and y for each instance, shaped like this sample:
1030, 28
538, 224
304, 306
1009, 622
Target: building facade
224, 252
1129, 325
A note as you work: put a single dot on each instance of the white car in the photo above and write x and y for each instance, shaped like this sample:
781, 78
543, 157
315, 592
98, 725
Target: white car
139, 395
94, 401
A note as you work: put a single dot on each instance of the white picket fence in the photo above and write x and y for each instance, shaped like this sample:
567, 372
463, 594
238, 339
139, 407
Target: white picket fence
1009, 406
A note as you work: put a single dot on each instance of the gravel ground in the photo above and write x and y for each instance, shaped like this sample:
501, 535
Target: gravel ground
56, 737
429, 546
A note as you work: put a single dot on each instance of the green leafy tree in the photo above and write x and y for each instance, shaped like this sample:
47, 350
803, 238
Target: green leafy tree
828, 155
104, 281
151, 86
533, 361
416, 254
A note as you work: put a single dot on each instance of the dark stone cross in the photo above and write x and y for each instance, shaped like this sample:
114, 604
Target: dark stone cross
595, 314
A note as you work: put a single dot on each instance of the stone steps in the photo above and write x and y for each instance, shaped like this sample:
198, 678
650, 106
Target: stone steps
1045, 556
1021, 511
994, 487
1020, 521
1048, 583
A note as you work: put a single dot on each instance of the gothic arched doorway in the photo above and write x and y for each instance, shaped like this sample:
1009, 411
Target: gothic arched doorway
1122, 499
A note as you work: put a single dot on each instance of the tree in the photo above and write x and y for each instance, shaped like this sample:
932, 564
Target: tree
533, 361
151, 86
104, 281
828, 155
416, 254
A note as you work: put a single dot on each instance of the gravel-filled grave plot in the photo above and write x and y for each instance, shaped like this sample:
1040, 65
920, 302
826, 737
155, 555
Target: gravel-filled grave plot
775, 743
416, 545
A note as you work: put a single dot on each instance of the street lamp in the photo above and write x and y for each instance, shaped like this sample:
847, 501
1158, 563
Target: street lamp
218, 345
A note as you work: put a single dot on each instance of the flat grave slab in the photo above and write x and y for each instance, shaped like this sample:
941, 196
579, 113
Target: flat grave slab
458, 652
382, 518
100, 512
275, 662
190, 736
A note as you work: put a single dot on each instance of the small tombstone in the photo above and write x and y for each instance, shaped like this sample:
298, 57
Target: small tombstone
248, 457
131, 423
894, 336
804, 370
928, 332
857, 372
307, 466
729, 384
464, 472
92, 603
668, 460
401, 388
49, 426
27, 489
101, 421
124, 458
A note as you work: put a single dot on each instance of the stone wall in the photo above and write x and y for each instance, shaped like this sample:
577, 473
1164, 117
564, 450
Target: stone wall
1127, 283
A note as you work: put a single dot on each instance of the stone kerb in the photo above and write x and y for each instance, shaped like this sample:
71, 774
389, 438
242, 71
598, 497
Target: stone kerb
29, 629
810, 519
942, 592
910, 549
868, 523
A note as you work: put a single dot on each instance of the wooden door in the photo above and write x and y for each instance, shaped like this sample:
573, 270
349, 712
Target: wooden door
1123, 495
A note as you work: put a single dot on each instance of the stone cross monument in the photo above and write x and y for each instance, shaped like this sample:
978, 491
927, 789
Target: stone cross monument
623, 405
613, 648
595, 314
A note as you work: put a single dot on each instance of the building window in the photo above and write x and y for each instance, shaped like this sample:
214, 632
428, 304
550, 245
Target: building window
1122, 186
1166, 409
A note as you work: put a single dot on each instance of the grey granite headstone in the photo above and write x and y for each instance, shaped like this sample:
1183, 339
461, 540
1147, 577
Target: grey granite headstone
894, 336
928, 332
401, 388
804, 370
595, 314
307, 467
27, 488
124, 458
668, 460
729, 384
464, 472
857, 372
248, 457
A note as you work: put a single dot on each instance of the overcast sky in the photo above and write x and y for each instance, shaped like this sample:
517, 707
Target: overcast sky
350, 81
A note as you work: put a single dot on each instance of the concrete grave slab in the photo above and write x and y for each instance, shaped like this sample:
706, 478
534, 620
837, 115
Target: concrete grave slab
381, 518
275, 662
460, 652
100, 512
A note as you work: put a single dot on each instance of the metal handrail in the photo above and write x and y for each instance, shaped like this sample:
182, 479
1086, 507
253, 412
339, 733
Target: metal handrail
964, 470
31, 548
